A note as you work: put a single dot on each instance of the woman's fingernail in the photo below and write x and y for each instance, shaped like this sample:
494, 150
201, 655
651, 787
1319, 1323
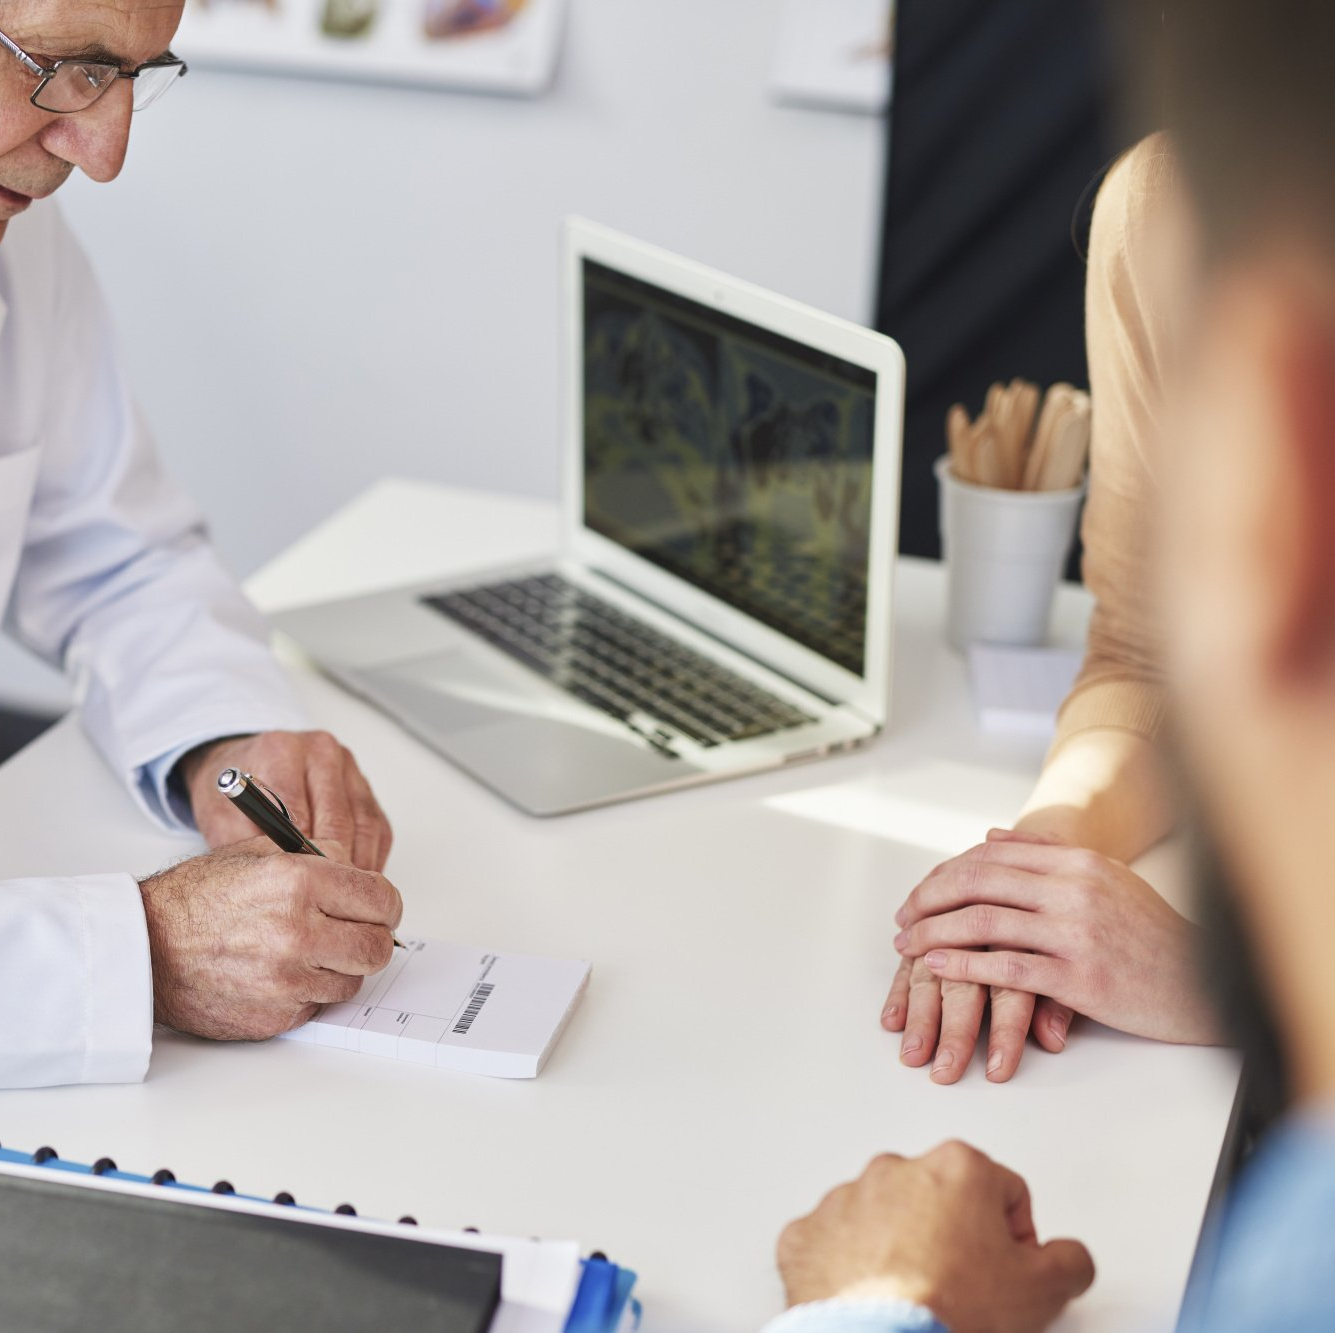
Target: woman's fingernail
901, 941
911, 1047
935, 959
901, 916
1057, 1026
944, 1061
994, 1063
889, 1012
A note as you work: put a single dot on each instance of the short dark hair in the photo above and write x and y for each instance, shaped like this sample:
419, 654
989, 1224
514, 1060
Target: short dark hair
1248, 92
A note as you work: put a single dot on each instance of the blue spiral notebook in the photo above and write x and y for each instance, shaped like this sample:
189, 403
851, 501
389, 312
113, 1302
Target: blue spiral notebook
94, 1246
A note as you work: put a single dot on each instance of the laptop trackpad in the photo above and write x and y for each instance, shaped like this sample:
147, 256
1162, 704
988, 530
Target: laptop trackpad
537, 747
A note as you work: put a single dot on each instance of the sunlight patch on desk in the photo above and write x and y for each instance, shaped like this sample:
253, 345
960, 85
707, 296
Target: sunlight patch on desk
944, 808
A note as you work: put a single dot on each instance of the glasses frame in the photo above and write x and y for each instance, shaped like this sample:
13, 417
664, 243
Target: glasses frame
45, 73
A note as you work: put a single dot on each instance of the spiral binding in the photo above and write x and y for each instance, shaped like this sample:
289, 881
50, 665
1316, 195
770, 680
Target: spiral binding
164, 1177
106, 1166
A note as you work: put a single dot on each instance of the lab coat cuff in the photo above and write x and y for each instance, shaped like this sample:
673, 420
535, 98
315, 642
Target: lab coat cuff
164, 801
119, 1018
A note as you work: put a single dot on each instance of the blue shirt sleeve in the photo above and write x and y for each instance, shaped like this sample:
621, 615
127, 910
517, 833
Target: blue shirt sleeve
1268, 1263
856, 1317
164, 799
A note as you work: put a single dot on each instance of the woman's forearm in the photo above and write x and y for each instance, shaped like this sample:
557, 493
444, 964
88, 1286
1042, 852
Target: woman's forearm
1105, 789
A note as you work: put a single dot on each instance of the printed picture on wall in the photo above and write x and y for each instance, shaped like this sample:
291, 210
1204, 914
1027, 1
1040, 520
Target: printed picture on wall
837, 54
500, 46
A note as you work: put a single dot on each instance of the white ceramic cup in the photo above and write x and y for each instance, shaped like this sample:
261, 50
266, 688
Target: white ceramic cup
1004, 553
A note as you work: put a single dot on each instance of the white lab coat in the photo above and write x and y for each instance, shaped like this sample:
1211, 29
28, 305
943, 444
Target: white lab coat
104, 568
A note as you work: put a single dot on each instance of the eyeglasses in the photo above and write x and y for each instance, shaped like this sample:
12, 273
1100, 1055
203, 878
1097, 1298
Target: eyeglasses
74, 85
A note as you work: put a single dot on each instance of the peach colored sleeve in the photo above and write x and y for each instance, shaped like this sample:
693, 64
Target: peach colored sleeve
1121, 682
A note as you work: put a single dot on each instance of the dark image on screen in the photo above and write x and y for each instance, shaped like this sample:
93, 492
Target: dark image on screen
733, 457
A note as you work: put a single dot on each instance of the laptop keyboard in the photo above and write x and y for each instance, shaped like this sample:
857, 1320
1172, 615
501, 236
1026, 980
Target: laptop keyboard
615, 662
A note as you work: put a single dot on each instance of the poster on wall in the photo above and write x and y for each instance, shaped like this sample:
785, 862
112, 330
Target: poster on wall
836, 54
497, 46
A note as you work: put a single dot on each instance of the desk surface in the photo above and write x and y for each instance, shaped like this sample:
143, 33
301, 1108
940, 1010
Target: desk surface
727, 1065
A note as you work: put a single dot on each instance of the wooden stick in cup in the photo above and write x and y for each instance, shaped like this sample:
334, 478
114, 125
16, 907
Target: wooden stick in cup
999, 416
1055, 406
957, 438
988, 465
1064, 464
1001, 419
1026, 412
1019, 405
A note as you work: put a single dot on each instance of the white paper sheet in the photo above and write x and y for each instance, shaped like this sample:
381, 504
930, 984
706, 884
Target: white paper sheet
457, 1007
1019, 690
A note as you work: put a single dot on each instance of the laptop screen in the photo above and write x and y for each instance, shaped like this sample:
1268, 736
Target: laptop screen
730, 456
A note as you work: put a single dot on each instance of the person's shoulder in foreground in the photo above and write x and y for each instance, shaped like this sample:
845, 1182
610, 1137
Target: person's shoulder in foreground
1272, 1265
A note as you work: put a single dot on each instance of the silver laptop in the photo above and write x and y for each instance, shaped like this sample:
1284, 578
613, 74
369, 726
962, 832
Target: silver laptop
721, 602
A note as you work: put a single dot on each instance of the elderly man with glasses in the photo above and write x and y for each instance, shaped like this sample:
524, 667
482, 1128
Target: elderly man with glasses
105, 569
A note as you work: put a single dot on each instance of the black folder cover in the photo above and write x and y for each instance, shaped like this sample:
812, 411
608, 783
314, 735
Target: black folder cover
75, 1259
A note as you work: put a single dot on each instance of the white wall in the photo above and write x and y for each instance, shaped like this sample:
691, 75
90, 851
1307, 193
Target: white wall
317, 283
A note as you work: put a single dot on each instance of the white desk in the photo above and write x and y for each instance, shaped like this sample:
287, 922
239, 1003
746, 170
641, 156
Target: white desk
727, 1066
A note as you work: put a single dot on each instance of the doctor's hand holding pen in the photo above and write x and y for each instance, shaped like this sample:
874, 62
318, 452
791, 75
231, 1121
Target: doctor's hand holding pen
247, 941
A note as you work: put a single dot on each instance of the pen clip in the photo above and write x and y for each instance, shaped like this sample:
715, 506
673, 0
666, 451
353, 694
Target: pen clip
273, 796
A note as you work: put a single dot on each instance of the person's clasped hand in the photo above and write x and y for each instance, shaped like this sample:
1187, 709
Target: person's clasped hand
951, 1231
941, 1016
318, 780
1039, 918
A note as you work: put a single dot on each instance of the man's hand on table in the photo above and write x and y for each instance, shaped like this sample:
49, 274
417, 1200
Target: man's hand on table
1045, 919
318, 780
941, 1015
941, 1021
951, 1231
247, 941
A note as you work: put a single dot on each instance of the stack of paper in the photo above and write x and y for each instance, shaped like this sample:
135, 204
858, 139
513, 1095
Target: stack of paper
457, 1007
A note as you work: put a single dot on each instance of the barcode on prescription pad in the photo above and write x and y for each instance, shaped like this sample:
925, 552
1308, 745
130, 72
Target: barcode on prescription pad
479, 998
